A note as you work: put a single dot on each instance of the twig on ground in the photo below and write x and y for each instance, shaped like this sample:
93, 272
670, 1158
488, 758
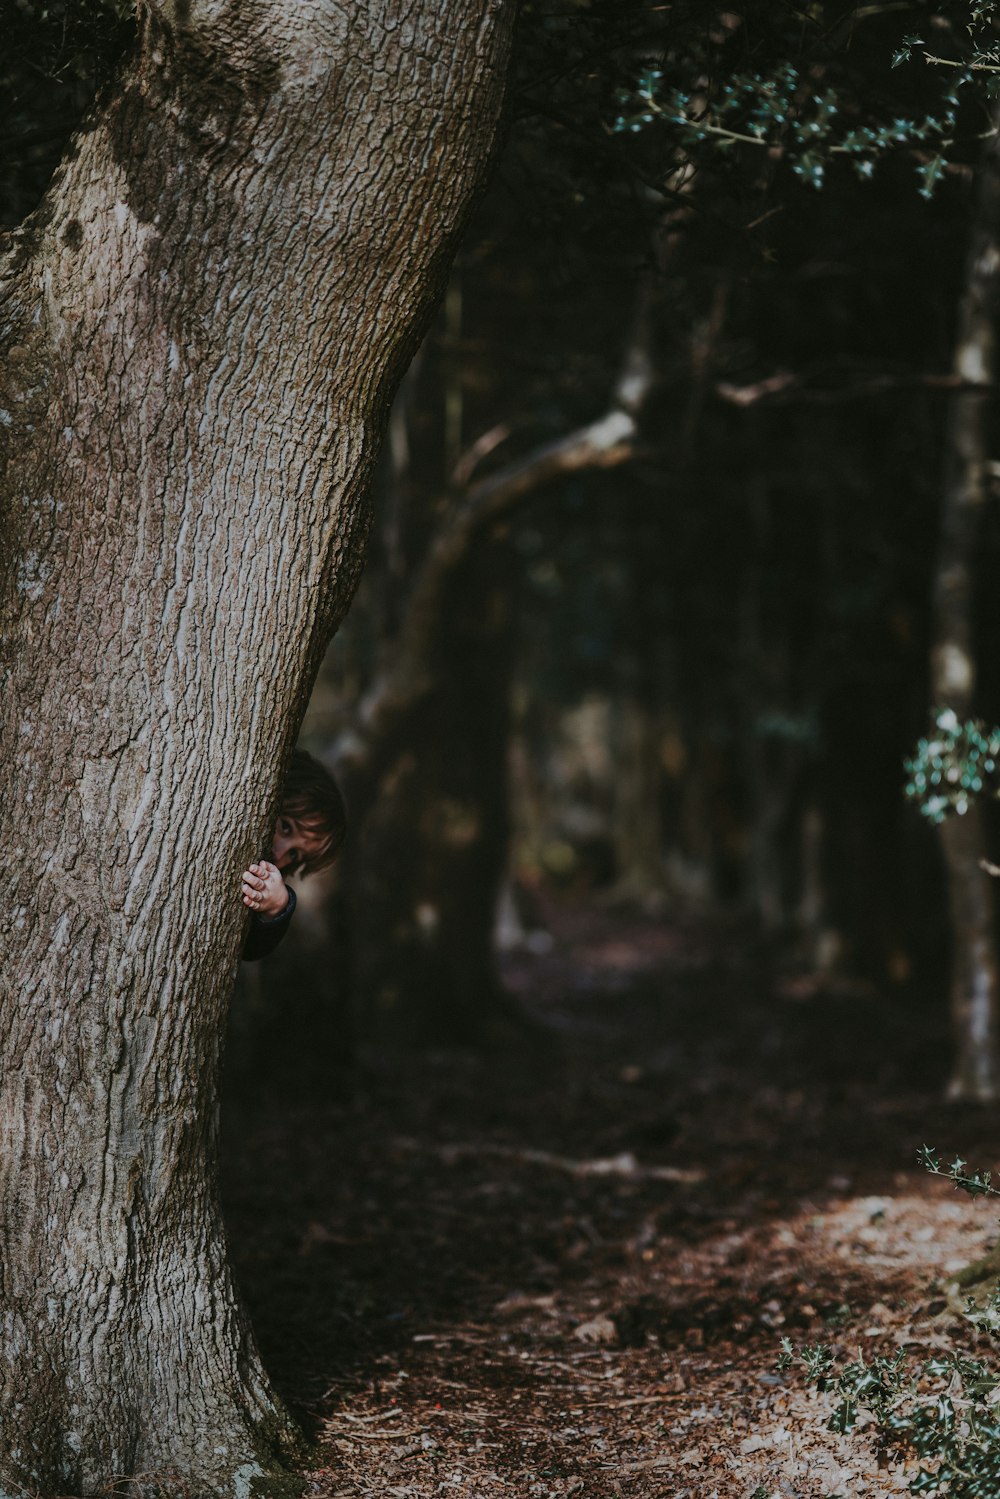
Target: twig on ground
651, 1462
378, 1436
624, 1164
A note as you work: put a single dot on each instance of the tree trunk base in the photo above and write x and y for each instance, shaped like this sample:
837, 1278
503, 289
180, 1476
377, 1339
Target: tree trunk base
972, 1090
987, 1268
977, 1282
267, 1475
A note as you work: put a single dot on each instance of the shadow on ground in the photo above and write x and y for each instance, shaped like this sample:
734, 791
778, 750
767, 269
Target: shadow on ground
478, 1273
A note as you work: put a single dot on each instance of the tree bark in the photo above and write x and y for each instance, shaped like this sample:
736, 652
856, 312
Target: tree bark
200, 329
975, 999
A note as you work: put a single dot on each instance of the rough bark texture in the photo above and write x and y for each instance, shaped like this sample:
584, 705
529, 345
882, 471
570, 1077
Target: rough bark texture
199, 332
975, 996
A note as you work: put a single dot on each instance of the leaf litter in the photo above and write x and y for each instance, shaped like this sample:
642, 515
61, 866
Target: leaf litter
459, 1295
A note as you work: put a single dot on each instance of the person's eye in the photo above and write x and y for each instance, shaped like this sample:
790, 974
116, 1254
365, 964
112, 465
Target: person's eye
285, 826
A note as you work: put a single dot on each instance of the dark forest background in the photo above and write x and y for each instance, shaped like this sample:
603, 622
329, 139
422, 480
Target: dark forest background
654, 587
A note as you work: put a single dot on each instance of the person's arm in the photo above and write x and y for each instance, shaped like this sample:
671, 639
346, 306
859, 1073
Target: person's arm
267, 931
272, 903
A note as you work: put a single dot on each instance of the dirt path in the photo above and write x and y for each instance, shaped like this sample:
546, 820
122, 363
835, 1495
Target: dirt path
476, 1277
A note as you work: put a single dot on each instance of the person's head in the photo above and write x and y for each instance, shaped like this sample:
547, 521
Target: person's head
311, 822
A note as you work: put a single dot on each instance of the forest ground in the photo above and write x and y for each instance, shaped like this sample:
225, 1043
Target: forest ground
474, 1276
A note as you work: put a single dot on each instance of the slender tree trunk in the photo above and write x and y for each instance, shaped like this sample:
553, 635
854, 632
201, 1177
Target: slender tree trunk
974, 996
638, 831
687, 797
640, 873
771, 759
199, 332
430, 865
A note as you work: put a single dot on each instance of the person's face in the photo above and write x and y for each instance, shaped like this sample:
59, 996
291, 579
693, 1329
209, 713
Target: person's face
293, 842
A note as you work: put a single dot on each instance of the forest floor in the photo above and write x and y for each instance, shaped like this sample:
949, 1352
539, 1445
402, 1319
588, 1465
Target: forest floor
566, 1269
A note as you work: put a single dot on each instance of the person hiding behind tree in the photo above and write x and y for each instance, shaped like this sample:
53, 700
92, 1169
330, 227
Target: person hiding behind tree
309, 830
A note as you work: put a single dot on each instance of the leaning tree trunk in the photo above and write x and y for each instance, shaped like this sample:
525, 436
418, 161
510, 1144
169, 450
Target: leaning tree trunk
974, 995
424, 762
200, 329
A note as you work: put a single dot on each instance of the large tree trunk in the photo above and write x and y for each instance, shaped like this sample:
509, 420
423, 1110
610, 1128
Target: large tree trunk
200, 329
975, 999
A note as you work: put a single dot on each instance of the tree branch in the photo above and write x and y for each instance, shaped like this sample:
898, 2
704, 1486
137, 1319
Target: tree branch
972, 67
785, 385
604, 443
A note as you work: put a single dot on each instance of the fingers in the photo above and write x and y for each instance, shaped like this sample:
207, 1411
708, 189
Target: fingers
261, 886
253, 888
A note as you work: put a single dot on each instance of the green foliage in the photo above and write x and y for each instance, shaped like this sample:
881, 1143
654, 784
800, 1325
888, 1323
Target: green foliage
815, 103
952, 766
975, 1183
904, 52
780, 112
942, 1411
816, 1359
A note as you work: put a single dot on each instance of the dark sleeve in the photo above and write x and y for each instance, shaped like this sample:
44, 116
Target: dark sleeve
265, 933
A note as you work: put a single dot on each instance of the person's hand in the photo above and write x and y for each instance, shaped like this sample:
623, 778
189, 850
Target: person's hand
264, 891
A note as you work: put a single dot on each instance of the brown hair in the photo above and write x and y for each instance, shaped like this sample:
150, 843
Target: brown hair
312, 796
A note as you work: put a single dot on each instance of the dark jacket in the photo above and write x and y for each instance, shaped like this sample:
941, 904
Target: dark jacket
267, 931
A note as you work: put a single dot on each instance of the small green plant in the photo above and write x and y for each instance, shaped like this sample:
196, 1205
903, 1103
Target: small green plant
952, 765
943, 1411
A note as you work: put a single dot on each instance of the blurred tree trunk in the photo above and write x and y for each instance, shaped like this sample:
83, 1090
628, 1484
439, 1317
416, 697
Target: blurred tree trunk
974, 996
200, 329
640, 869
429, 865
771, 755
424, 765
640, 875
